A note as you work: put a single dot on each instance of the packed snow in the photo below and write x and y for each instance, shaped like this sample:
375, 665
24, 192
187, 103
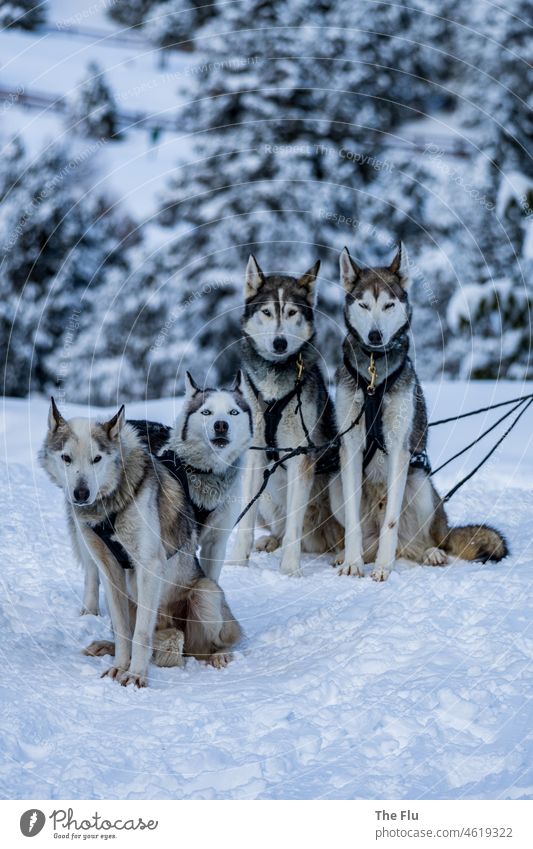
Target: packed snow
343, 688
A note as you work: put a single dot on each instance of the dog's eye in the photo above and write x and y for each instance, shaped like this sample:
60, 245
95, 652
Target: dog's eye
266, 312
66, 459
97, 458
363, 305
234, 412
290, 313
390, 305
206, 412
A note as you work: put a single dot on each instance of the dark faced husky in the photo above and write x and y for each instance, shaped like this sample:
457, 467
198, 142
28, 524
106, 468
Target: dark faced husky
210, 439
129, 515
288, 397
387, 503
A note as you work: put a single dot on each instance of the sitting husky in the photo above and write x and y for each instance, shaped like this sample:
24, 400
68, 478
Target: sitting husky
289, 397
128, 514
387, 502
209, 439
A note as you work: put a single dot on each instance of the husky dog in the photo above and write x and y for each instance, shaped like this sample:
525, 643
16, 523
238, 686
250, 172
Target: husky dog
128, 514
288, 397
388, 504
209, 439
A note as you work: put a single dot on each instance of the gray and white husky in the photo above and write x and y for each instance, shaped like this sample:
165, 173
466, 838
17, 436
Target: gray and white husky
129, 516
288, 396
210, 439
387, 502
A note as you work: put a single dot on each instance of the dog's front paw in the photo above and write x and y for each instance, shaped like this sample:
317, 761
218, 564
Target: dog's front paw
220, 660
435, 556
339, 559
267, 543
356, 569
240, 556
138, 679
99, 648
113, 672
380, 573
290, 568
90, 610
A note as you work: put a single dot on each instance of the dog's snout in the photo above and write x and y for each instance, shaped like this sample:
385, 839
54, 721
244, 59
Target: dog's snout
375, 337
280, 344
221, 427
81, 493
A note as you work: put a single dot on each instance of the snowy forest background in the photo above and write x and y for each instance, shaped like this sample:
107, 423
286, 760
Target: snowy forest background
149, 146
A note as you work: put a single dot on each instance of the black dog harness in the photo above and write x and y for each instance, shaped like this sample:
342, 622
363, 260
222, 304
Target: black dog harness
178, 470
328, 460
155, 435
373, 411
106, 530
272, 416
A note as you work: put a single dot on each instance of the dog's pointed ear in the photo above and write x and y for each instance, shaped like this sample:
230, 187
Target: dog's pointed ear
115, 424
349, 270
190, 386
55, 419
308, 282
254, 278
400, 266
237, 385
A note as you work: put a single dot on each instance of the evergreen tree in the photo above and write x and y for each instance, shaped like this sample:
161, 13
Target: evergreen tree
491, 316
131, 13
57, 241
174, 24
24, 14
92, 110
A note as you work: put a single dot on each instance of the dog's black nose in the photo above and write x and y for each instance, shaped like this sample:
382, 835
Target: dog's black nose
81, 494
221, 427
375, 337
280, 344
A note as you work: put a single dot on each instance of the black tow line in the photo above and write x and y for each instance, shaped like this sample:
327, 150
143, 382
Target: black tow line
524, 402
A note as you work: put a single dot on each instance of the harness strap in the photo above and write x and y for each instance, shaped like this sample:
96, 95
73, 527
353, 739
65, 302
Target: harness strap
372, 406
171, 461
106, 531
174, 464
272, 415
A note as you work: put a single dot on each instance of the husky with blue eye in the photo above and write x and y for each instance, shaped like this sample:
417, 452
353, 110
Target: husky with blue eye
387, 502
290, 406
210, 439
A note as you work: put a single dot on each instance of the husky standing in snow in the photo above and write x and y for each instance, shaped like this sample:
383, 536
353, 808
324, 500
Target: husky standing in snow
387, 502
129, 514
210, 439
288, 395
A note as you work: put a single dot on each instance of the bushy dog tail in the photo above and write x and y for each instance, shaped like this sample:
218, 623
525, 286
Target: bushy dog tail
475, 542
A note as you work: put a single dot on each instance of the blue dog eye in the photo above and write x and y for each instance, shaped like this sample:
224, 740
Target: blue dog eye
234, 412
206, 412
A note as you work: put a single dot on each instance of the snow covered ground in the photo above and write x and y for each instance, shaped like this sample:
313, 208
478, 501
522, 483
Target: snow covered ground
416, 688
